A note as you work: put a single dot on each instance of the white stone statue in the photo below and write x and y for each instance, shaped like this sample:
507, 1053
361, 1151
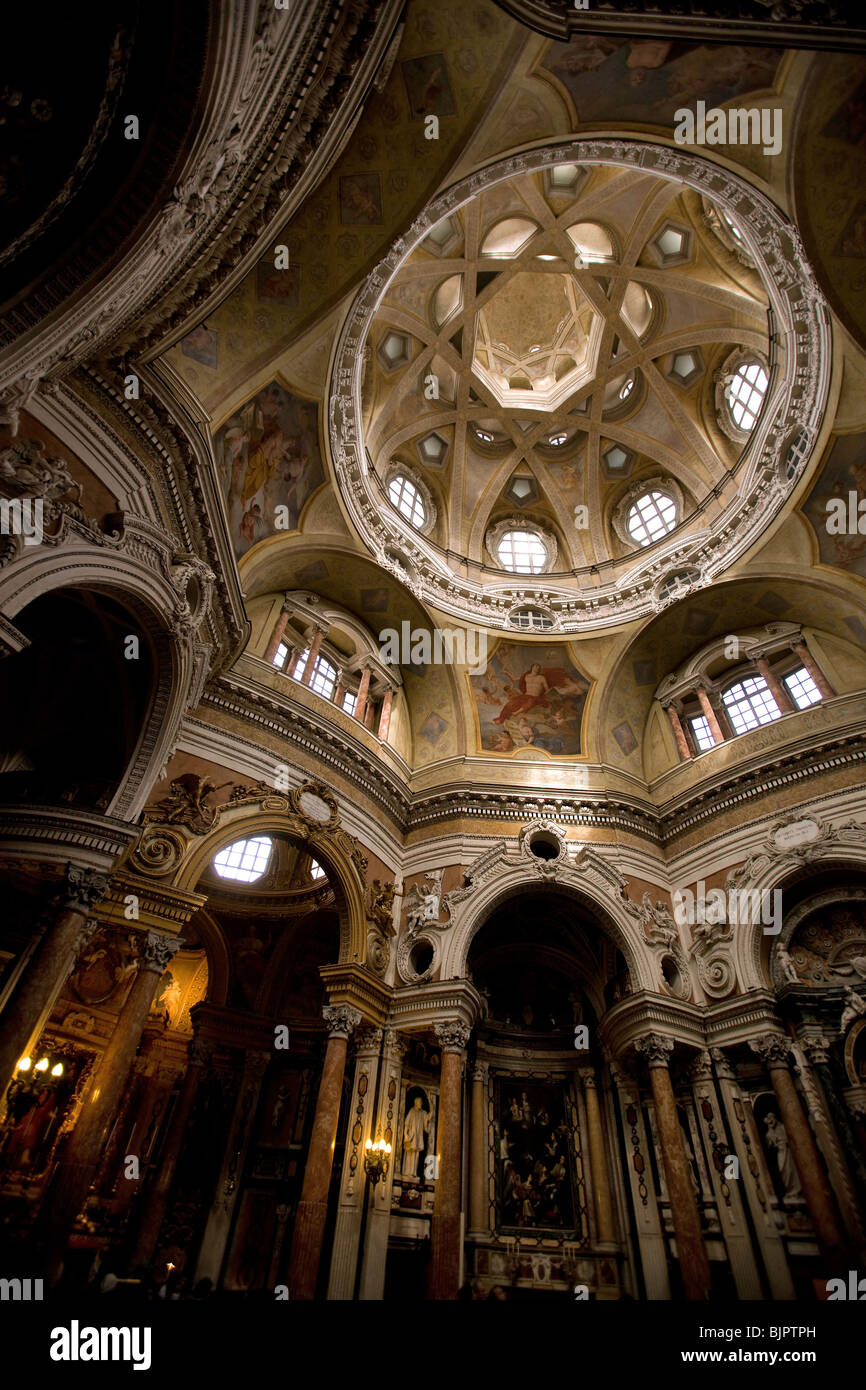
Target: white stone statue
786, 965
416, 1127
423, 903
855, 1005
777, 1139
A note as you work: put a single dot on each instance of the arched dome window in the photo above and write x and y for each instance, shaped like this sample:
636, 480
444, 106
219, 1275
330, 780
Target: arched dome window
404, 495
522, 552
745, 394
245, 860
651, 516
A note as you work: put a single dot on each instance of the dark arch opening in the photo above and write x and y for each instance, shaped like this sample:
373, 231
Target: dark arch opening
72, 704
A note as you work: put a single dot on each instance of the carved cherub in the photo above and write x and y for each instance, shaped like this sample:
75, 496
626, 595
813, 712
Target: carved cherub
380, 906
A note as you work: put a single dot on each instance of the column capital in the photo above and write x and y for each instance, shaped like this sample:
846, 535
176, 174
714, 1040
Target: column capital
368, 1039
453, 1035
724, 1067
480, 1072
340, 1019
773, 1049
82, 888
395, 1046
656, 1048
816, 1049
700, 1068
588, 1077
156, 951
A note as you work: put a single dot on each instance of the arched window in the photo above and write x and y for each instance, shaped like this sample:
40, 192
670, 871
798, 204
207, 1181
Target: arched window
316, 870
522, 552
404, 495
531, 619
745, 394
651, 516
245, 860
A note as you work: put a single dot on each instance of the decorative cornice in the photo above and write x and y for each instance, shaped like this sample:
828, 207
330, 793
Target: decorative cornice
55, 834
788, 23
329, 746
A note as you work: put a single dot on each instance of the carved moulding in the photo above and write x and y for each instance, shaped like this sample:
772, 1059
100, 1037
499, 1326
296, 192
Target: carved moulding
269, 130
798, 399
797, 839
501, 871
712, 945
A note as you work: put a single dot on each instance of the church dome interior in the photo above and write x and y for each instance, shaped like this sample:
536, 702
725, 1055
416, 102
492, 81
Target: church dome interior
433, 636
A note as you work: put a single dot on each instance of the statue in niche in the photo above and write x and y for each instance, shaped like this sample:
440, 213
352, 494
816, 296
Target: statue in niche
416, 1128
777, 1139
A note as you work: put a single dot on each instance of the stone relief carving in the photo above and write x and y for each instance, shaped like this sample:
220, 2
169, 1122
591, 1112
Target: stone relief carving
424, 904
380, 924
785, 847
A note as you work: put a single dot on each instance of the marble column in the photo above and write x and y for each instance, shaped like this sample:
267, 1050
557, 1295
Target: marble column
276, 636
47, 970
315, 648
775, 686
647, 1216
598, 1160
773, 1049
212, 1252
445, 1253
345, 1251
835, 1136
747, 1149
71, 1181
840, 1131
811, 665
385, 716
479, 1204
363, 691
386, 1126
726, 1189
155, 1087
312, 1210
710, 715
679, 734
691, 1250
156, 1196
